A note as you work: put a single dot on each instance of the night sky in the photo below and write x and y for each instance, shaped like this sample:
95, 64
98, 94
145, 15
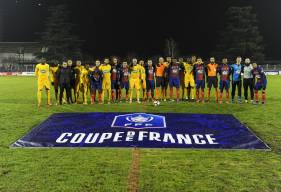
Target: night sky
112, 27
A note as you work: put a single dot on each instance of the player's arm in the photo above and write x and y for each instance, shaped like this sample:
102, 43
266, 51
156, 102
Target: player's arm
37, 70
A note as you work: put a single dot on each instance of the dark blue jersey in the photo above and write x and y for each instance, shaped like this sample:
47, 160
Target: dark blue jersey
96, 76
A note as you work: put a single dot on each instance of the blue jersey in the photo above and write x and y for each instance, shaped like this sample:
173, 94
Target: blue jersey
236, 72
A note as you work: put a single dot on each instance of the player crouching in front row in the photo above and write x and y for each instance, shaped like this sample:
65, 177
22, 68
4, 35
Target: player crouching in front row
260, 82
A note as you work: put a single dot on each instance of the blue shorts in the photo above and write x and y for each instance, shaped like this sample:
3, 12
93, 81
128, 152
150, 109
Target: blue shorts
200, 84
174, 82
114, 84
261, 85
224, 85
96, 86
125, 85
150, 85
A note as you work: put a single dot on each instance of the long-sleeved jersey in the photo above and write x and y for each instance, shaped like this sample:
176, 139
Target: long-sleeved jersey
259, 75
150, 72
95, 76
125, 74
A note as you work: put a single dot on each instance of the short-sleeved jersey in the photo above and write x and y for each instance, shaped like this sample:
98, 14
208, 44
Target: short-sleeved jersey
160, 69
247, 71
150, 73
174, 70
125, 74
106, 71
53, 71
224, 71
135, 72
212, 69
259, 75
42, 71
236, 72
199, 72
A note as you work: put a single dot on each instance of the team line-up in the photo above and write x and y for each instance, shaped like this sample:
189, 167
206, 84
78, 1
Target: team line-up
108, 79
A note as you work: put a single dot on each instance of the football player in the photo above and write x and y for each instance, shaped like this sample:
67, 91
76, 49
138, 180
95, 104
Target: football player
106, 81
135, 76
143, 78
248, 81
189, 79
115, 78
260, 82
150, 80
224, 70
236, 79
95, 77
212, 78
54, 80
174, 79
42, 72
161, 68
199, 70
125, 79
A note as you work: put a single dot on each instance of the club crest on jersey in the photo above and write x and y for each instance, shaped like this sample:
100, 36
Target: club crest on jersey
139, 121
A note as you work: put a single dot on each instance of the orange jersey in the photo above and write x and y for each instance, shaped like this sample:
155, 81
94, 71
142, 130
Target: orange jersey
160, 69
212, 69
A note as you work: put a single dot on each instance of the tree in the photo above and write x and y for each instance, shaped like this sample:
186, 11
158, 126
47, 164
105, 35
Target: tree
171, 48
241, 35
58, 40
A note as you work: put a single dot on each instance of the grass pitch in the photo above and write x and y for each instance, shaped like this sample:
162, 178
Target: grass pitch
160, 169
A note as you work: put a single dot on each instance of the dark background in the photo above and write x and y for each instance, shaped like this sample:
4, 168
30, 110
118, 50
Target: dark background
112, 27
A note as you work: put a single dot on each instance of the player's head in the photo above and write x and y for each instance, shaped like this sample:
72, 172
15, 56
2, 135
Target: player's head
115, 61
193, 58
135, 61
199, 61
124, 64
142, 62
255, 65
224, 61
64, 64
238, 60
247, 61
78, 63
97, 63
161, 60
69, 62
106, 61
42, 60
87, 66
169, 59
149, 62
212, 60
181, 60
174, 61
188, 60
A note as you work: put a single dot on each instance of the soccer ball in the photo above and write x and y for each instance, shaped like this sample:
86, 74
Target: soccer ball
156, 103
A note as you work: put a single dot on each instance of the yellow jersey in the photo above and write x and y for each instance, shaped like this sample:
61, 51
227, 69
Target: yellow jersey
188, 68
142, 72
135, 72
53, 71
106, 71
42, 71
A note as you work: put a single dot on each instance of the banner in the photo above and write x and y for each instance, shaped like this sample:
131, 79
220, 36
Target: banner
164, 130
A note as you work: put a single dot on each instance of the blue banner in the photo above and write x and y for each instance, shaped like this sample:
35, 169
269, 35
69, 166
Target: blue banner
164, 130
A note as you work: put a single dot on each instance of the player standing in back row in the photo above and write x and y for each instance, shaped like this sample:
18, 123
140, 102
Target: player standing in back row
236, 79
212, 78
